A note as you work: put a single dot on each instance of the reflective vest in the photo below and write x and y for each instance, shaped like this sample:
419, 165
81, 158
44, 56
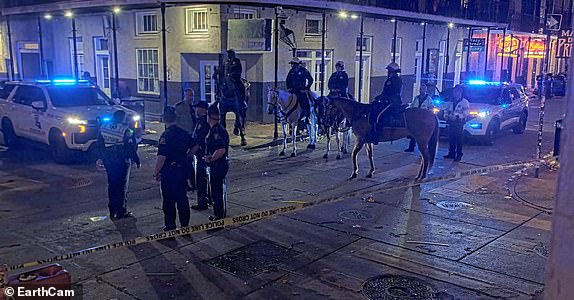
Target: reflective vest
114, 134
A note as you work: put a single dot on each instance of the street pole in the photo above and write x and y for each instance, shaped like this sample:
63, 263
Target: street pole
468, 54
164, 50
486, 56
42, 69
323, 31
74, 40
276, 84
502, 55
423, 56
116, 68
361, 36
542, 105
446, 56
395, 41
10, 47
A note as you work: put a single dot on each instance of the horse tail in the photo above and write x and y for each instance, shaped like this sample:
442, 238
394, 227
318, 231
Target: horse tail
433, 144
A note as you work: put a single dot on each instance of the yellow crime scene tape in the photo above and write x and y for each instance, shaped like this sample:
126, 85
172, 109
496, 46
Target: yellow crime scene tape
247, 218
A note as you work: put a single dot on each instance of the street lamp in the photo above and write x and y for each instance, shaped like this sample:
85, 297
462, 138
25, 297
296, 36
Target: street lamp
115, 11
48, 16
69, 14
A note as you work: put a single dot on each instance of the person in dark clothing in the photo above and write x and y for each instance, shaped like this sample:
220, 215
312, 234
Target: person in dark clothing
117, 145
298, 82
339, 81
198, 149
186, 120
390, 100
216, 158
456, 115
233, 71
170, 170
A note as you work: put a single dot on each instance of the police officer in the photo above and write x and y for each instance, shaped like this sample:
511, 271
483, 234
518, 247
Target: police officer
117, 145
216, 153
455, 116
186, 120
298, 82
198, 149
423, 101
390, 98
339, 81
171, 171
233, 71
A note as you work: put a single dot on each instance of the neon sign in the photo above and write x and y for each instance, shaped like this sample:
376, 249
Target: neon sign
536, 48
508, 46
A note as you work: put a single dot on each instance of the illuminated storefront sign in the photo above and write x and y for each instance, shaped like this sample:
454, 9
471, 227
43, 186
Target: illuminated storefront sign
535, 48
565, 39
508, 47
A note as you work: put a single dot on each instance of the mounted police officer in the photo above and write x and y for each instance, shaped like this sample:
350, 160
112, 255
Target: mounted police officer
171, 171
117, 145
186, 120
422, 101
198, 149
339, 81
298, 82
456, 115
233, 71
216, 158
390, 100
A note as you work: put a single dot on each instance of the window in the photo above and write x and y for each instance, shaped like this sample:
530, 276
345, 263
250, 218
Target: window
80, 48
246, 14
207, 88
313, 25
148, 71
146, 23
367, 42
73, 96
397, 53
6, 91
25, 95
311, 59
197, 20
101, 44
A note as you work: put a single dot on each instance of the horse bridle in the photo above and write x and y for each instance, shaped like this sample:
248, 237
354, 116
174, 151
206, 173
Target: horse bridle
276, 105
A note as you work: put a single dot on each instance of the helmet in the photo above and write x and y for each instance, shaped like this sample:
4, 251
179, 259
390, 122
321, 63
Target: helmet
394, 67
340, 64
295, 60
231, 51
213, 110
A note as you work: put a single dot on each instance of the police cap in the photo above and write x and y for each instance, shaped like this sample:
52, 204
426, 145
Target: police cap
213, 110
201, 104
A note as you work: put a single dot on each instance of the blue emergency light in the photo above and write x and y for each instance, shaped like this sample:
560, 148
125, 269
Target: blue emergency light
62, 81
477, 82
475, 125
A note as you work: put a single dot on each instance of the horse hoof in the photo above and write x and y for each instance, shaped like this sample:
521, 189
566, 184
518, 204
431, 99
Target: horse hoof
345, 152
326, 156
243, 143
370, 175
310, 146
293, 154
353, 176
339, 157
282, 153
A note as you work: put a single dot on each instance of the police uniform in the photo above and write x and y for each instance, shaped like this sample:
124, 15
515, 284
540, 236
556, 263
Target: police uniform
186, 120
339, 81
217, 138
173, 144
299, 79
392, 91
118, 146
233, 71
199, 134
456, 115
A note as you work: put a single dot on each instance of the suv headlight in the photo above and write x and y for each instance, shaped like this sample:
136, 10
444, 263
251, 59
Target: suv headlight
136, 118
480, 114
76, 121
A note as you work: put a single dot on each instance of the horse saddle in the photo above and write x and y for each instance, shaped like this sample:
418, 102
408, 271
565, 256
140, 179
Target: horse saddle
391, 117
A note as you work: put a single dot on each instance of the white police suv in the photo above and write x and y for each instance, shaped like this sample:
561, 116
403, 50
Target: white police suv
494, 107
62, 114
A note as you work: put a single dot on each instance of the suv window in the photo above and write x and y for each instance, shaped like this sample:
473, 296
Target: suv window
26, 94
5, 92
515, 93
73, 96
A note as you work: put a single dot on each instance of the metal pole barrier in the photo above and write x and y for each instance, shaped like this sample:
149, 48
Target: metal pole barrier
361, 36
10, 47
42, 69
395, 41
276, 83
322, 77
116, 68
164, 49
74, 40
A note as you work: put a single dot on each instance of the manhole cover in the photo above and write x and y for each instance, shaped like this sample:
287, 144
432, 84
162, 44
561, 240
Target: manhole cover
395, 287
76, 183
355, 215
541, 249
254, 259
453, 205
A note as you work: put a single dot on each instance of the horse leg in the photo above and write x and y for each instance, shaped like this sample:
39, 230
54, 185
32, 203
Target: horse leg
424, 149
347, 136
371, 160
284, 127
328, 134
312, 130
293, 141
356, 150
339, 155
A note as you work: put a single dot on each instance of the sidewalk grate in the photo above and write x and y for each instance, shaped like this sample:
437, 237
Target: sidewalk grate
355, 215
453, 205
396, 287
254, 259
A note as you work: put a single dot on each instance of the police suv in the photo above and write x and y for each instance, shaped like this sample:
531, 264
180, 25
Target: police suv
494, 107
63, 114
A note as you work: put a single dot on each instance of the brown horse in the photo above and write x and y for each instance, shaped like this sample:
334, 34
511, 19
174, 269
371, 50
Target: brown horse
422, 125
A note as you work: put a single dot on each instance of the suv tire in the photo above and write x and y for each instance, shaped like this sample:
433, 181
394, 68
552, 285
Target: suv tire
60, 151
521, 126
491, 133
9, 136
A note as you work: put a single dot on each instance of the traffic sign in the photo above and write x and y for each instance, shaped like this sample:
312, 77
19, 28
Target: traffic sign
553, 21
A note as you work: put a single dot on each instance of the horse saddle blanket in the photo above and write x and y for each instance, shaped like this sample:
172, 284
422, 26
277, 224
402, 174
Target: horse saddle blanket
303, 100
391, 117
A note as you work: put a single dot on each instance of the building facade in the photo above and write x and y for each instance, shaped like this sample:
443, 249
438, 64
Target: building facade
426, 47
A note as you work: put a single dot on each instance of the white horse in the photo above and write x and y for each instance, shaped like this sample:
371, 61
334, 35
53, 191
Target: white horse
290, 113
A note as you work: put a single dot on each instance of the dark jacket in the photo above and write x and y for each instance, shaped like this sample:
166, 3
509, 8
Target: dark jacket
339, 81
199, 134
233, 68
298, 79
173, 144
217, 138
392, 91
